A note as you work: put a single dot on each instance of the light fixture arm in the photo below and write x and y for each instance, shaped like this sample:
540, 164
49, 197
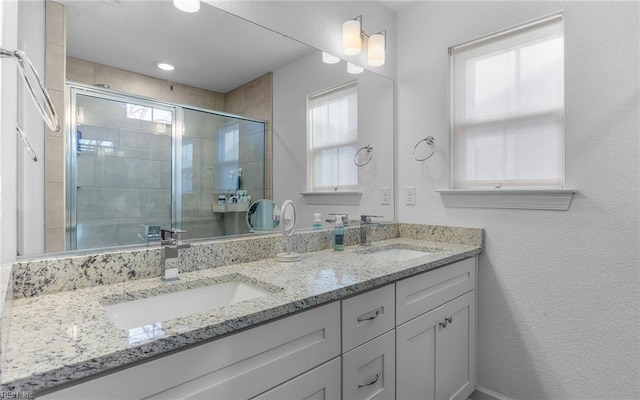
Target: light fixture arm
364, 34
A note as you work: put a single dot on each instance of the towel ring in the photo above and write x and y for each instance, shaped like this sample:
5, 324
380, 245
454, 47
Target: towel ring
369, 149
32, 79
430, 141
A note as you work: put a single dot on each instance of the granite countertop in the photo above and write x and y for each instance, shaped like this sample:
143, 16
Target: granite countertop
57, 338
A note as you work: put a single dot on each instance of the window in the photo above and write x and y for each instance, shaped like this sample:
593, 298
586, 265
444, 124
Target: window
228, 157
135, 111
507, 108
332, 135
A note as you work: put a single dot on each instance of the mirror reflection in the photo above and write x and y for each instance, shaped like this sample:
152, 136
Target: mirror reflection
150, 147
121, 164
263, 215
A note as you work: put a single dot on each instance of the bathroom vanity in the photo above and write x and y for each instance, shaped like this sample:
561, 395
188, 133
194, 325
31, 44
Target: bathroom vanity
387, 321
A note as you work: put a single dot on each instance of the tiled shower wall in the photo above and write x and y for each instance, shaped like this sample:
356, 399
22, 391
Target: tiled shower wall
54, 141
89, 73
253, 100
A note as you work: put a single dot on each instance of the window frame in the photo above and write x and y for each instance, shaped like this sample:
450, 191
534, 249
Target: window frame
311, 150
556, 113
529, 198
222, 162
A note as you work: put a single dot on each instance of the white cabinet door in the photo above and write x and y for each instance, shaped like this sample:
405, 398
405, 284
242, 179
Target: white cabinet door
321, 383
455, 349
416, 358
436, 353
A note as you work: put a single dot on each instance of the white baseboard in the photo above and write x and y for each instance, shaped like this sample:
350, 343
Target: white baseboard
483, 393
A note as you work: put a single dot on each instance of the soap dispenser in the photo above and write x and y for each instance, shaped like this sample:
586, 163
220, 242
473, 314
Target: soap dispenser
338, 235
317, 222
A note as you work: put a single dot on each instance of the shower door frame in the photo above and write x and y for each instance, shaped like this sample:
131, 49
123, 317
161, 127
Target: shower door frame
71, 187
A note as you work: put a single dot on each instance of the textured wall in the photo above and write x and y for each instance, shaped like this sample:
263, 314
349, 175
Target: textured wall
558, 291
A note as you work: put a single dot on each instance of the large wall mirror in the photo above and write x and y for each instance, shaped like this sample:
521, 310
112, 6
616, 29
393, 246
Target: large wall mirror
145, 147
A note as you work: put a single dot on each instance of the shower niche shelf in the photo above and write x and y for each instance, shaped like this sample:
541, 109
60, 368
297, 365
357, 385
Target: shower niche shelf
230, 207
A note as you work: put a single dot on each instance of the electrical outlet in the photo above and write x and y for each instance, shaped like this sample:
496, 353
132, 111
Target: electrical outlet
410, 195
385, 196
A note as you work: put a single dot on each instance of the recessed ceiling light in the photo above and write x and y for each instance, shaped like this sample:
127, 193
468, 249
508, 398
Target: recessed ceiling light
354, 69
165, 66
329, 59
187, 5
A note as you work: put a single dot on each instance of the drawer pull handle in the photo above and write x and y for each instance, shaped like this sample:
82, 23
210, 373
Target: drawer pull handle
373, 381
369, 318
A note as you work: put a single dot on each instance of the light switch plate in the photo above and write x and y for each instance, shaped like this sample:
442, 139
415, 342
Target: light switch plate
410, 195
385, 196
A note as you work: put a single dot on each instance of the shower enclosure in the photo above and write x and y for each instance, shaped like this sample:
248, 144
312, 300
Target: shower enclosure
134, 162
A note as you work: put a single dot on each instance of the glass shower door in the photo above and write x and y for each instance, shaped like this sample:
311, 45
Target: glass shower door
222, 155
120, 172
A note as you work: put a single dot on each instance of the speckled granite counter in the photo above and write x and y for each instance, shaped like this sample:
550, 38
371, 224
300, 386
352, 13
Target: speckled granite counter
60, 337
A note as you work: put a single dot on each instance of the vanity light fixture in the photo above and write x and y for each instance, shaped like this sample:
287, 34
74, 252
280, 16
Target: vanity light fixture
354, 69
377, 49
189, 6
165, 66
352, 36
352, 42
329, 58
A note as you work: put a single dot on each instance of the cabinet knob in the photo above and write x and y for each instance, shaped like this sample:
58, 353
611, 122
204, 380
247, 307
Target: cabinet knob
446, 322
374, 380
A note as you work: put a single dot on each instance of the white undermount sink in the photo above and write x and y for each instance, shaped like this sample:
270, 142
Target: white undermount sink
398, 254
163, 307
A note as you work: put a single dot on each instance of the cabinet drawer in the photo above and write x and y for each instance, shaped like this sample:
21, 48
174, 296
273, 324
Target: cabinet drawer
321, 383
239, 366
424, 292
366, 316
368, 371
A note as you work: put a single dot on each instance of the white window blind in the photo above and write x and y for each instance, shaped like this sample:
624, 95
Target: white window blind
332, 137
508, 108
228, 157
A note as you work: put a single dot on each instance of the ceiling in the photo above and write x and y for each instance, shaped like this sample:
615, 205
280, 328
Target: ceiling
397, 5
210, 49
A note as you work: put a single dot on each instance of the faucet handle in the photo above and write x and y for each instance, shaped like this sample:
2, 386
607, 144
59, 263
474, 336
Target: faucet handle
171, 234
367, 218
344, 216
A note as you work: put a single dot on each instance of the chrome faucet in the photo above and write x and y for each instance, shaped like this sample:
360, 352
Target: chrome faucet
365, 221
171, 242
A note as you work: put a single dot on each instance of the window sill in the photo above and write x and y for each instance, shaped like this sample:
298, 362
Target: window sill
332, 198
525, 199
